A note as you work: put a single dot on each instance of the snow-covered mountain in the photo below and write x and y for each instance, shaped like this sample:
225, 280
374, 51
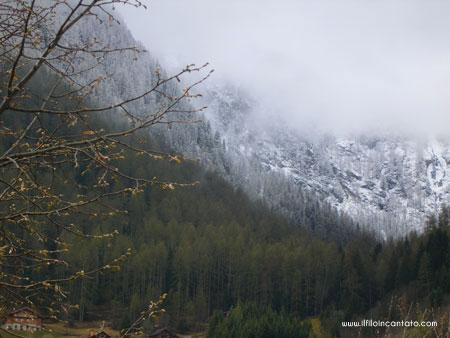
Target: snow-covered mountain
392, 183
389, 183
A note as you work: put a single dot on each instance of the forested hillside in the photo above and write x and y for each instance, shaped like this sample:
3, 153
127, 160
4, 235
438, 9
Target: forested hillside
210, 247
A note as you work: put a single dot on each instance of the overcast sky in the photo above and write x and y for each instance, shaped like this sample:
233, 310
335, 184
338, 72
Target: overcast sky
344, 63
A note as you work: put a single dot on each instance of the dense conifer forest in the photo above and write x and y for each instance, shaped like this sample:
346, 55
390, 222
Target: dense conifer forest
210, 247
228, 260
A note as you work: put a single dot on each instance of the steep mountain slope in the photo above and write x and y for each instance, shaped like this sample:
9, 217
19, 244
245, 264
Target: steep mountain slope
390, 182
130, 74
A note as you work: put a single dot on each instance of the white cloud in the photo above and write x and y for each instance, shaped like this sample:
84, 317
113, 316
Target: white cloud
344, 64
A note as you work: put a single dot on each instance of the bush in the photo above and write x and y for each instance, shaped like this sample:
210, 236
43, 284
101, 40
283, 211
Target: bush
250, 320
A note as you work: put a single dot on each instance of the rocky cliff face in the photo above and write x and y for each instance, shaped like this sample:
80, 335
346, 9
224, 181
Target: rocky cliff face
390, 182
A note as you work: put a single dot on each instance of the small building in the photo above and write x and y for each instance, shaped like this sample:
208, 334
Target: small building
101, 334
163, 333
23, 319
